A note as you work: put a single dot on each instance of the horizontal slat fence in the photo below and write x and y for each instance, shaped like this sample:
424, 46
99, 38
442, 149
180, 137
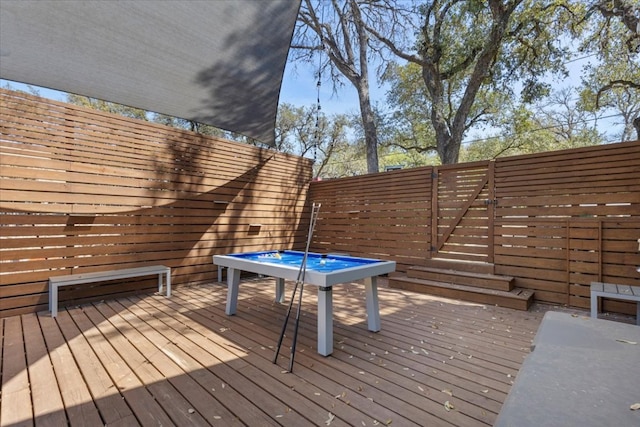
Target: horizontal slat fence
82, 191
378, 215
554, 221
567, 218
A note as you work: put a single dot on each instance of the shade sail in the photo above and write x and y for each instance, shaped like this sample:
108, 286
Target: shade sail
218, 62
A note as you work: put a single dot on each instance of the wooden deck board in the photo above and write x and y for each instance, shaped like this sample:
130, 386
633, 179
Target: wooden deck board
81, 410
15, 407
150, 360
48, 408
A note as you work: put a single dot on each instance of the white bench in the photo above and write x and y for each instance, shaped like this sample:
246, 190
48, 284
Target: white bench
608, 290
56, 282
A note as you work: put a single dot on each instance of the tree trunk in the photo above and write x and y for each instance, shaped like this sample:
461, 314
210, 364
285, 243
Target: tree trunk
369, 127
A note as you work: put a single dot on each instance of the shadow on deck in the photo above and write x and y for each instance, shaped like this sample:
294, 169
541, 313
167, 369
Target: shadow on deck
150, 360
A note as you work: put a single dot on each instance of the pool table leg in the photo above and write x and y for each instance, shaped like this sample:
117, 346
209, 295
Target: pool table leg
279, 290
373, 308
325, 320
233, 283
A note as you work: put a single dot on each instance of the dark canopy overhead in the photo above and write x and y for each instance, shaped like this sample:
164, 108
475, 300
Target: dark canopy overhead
218, 62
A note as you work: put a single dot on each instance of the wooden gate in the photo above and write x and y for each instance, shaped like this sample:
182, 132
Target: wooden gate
463, 212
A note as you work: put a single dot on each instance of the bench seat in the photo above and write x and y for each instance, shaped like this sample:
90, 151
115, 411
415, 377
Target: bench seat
609, 290
55, 282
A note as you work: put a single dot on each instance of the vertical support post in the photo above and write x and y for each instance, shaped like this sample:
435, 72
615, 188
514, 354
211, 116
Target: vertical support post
600, 250
568, 258
434, 212
491, 213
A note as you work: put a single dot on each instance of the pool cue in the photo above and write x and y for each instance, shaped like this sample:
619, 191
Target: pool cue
299, 281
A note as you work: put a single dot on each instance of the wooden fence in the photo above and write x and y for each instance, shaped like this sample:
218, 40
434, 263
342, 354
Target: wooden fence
83, 191
555, 221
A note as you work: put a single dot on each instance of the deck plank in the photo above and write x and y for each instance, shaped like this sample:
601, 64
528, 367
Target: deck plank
348, 381
79, 405
148, 341
149, 360
185, 354
110, 403
48, 408
246, 338
15, 407
269, 394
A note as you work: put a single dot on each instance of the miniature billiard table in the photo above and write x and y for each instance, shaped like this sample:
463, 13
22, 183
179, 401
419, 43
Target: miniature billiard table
323, 271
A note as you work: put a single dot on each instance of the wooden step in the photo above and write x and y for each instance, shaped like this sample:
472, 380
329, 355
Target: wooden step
480, 280
452, 264
517, 298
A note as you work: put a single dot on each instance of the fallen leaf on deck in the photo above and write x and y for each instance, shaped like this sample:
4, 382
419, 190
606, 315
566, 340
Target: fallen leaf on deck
331, 417
448, 406
191, 411
447, 391
628, 342
635, 406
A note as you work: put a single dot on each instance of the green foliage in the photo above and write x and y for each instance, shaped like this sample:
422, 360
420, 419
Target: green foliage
190, 125
310, 133
614, 88
107, 107
556, 125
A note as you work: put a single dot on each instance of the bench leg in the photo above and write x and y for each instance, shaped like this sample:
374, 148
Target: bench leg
594, 306
53, 299
166, 278
168, 282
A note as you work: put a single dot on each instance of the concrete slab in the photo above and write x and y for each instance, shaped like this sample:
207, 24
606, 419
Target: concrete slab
581, 372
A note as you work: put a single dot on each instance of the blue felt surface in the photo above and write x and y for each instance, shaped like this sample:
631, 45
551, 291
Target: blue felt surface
315, 262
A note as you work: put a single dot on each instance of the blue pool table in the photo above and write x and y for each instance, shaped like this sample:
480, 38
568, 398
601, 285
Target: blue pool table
323, 271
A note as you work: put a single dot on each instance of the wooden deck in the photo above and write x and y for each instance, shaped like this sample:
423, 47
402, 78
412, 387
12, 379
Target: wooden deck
152, 360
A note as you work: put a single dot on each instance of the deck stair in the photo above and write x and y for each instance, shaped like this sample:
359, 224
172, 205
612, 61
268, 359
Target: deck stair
464, 281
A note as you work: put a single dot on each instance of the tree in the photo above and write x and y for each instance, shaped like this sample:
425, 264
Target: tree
339, 31
613, 35
308, 132
189, 125
558, 123
108, 107
464, 47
